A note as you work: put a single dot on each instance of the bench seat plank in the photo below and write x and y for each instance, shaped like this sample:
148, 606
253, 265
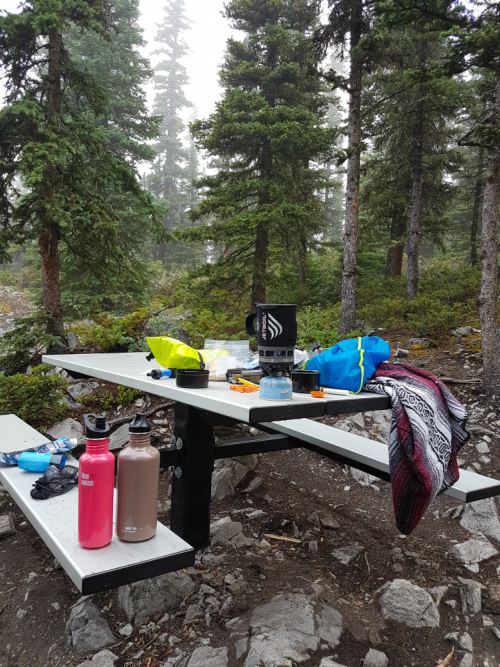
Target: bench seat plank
55, 520
372, 456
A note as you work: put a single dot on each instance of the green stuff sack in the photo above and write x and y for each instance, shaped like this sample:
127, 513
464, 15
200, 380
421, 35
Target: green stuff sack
172, 353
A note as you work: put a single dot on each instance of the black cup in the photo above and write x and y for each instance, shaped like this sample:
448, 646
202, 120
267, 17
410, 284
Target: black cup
305, 381
192, 378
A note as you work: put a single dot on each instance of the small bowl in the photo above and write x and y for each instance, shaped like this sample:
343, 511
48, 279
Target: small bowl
192, 378
305, 381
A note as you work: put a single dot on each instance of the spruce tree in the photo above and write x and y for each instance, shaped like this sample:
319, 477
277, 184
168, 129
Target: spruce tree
58, 166
266, 132
114, 274
170, 173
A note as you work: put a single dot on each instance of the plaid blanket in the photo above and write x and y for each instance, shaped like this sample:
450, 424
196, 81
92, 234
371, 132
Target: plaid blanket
427, 432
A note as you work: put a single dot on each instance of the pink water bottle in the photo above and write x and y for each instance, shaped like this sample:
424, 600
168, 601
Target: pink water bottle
96, 479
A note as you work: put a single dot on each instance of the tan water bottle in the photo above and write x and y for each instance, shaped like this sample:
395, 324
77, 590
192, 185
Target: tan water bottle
138, 479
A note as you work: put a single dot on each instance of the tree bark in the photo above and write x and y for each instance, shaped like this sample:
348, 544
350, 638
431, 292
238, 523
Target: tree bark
476, 211
350, 236
415, 204
48, 240
488, 299
394, 261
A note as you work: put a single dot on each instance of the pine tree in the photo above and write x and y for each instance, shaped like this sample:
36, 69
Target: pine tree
169, 177
267, 130
114, 274
58, 167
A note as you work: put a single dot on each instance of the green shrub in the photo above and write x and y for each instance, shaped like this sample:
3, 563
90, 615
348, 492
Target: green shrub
112, 334
37, 398
119, 395
24, 344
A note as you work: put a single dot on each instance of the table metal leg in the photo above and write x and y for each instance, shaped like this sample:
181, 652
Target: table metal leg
192, 480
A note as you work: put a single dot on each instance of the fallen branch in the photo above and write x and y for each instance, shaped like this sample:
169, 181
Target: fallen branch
458, 381
283, 538
448, 659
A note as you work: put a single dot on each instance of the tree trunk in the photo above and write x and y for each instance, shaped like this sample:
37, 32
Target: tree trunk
350, 236
260, 265
415, 204
488, 303
476, 211
394, 262
48, 240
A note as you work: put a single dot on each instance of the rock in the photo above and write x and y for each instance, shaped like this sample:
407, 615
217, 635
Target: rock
254, 484
375, 659
329, 662
362, 478
126, 630
462, 331
473, 552
206, 656
104, 658
145, 599
404, 602
481, 517
193, 612
470, 596
465, 642
328, 522
286, 630
225, 531
496, 632
401, 353
482, 448
466, 661
86, 629
348, 553
68, 428
119, 438
313, 547
438, 593
6, 526
78, 389
229, 473
73, 341
20, 614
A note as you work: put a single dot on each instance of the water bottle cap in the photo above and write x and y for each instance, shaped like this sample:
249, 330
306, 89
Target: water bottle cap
96, 426
139, 424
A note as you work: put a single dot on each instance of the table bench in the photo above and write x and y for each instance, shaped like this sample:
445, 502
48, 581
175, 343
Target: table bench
371, 456
55, 520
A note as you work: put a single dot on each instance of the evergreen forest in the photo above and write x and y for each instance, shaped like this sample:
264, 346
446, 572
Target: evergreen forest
350, 165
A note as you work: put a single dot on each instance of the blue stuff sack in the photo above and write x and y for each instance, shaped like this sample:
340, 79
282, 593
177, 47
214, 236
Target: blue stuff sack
350, 363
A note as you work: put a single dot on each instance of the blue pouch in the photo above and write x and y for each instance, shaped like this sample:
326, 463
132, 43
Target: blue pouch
350, 363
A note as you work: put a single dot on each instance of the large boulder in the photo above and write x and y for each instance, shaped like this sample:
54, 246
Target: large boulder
229, 473
286, 630
68, 428
86, 630
153, 597
481, 517
473, 552
206, 656
407, 603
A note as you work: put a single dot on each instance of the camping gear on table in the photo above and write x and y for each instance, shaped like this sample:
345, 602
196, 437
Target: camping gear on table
174, 354
427, 432
138, 479
192, 378
55, 482
96, 485
158, 374
234, 374
35, 462
10, 456
275, 326
350, 363
305, 381
276, 388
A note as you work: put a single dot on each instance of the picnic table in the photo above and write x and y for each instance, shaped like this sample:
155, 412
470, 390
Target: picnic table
196, 412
